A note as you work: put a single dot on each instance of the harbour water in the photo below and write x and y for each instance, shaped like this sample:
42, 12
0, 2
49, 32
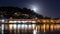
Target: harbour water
30, 29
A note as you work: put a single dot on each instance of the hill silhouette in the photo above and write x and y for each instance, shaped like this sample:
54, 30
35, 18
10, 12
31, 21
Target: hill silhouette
18, 13
15, 12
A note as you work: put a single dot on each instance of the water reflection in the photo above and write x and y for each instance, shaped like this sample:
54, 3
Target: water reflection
29, 28
49, 27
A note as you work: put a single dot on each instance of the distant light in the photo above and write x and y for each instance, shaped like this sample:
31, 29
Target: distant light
19, 21
15, 21
23, 26
22, 21
33, 21
26, 21
33, 26
15, 26
19, 25
2, 20
2, 28
29, 26
11, 22
34, 31
10, 26
34, 9
29, 21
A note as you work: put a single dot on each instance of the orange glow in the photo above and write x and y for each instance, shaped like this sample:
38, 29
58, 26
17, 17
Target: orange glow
10, 26
47, 21
44, 21
44, 28
38, 20
47, 27
33, 26
52, 21
52, 26
57, 26
57, 21
38, 27
11, 21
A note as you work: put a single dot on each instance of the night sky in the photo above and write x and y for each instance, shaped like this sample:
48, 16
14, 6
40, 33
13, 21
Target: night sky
49, 8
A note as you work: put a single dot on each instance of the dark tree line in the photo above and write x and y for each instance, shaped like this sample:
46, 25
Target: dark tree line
15, 12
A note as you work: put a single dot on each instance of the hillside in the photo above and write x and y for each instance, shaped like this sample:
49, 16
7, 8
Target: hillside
15, 12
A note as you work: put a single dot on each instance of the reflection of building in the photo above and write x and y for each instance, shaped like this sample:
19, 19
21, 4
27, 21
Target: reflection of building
27, 25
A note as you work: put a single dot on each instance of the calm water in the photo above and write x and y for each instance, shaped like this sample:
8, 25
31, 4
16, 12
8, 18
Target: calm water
30, 29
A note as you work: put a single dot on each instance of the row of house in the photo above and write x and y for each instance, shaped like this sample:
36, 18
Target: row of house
31, 20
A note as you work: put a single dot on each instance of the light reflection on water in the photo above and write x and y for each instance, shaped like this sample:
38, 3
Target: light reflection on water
31, 28
47, 27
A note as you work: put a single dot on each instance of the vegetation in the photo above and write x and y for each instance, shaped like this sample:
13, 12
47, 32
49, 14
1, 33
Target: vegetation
15, 12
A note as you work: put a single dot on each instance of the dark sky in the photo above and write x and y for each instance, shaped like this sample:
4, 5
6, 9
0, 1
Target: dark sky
44, 7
